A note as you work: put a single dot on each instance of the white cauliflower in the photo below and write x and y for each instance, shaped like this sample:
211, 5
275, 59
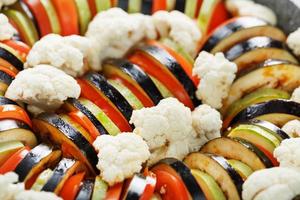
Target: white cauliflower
69, 53
7, 31
114, 32
179, 28
34, 195
293, 41
288, 153
120, 156
44, 87
250, 8
278, 183
292, 128
6, 2
167, 129
296, 95
217, 75
207, 122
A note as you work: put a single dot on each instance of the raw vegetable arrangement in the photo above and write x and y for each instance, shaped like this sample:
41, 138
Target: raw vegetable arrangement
195, 99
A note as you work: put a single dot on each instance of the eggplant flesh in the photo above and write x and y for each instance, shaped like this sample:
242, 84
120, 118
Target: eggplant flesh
111, 93
135, 188
185, 173
274, 107
86, 190
224, 31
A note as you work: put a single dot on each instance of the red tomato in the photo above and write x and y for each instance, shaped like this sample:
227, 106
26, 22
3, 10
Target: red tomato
41, 16
94, 95
219, 16
14, 160
84, 121
150, 187
68, 16
198, 7
187, 67
92, 6
114, 192
269, 155
14, 112
163, 75
72, 186
170, 187
8, 71
159, 5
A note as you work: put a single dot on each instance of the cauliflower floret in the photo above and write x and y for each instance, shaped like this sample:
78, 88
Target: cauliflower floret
288, 153
114, 32
296, 95
250, 8
7, 31
167, 129
120, 156
8, 188
217, 75
34, 195
293, 41
207, 122
179, 28
44, 87
261, 184
66, 53
292, 128
6, 2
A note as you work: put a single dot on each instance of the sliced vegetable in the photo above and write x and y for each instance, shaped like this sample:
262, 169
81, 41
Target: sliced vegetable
14, 112
10, 58
52, 15
72, 186
42, 179
7, 149
165, 92
159, 5
86, 190
21, 48
244, 170
135, 187
84, 14
100, 189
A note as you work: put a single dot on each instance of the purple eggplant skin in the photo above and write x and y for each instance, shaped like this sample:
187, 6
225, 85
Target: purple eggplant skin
137, 74
185, 173
86, 190
11, 58
6, 78
5, 101
89, 115
236, 178
228, 29
111, 93
265, 159
274, 106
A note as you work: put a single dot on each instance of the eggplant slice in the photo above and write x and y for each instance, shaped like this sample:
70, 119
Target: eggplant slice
38, 159
13, 130
257, 50
6, 101
86, 190
283, 76
11, 58
133, 72
234, 149
278, 112
136, 187
238, 30
217, 167
52, 127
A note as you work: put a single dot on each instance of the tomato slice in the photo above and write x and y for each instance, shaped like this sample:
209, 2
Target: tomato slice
163, 75
220, 15
14, 160
68, 16
72, 186
113, 3
198, 7
93, 8
146, 101
22, 48
114, 192
8, 71
269, 155
84, 121
91, 93
187, 67
150, 187
159, 5
40, 15
14, 112
169, 186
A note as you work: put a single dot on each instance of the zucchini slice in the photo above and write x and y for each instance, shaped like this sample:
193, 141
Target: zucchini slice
180, 169
257, 50
285, 77
135, 75
13, 130
278, 112
244, 170
52, 127
64, 170
38, 159
9, 148
42, 180
100, 189
237, 150
219, 168
86, 190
